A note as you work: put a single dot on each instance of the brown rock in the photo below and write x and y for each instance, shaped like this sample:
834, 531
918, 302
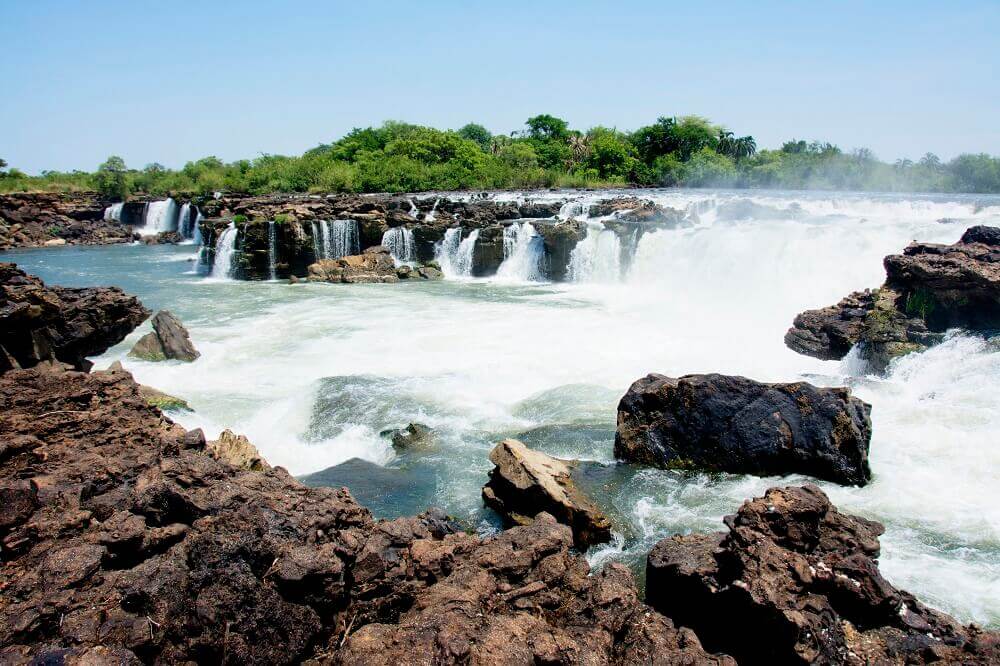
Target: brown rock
168, 340
237, 451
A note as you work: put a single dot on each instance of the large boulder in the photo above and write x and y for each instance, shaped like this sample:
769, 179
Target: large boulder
797, 582
559, 241
734, 424
525, 483
237, 451
40, 324
373, 265
928, 289
168, 340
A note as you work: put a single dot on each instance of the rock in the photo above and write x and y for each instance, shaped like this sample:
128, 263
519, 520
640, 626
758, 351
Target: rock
237, 451
796, 571
163, 400
413, 436
928, 289
734, 424
47, 219
373, 265
525, 483
163, 238
55, 242
168, 340
430, 273
560, 240
40, 324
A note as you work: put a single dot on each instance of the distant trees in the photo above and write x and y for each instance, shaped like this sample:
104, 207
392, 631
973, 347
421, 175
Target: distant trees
399, 156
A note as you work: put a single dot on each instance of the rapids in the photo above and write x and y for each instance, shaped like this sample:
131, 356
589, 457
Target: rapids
313, 373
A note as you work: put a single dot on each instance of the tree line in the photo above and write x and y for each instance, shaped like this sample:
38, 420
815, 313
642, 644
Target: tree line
687, 151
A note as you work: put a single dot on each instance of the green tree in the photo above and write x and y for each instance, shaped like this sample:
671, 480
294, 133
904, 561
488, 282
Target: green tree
112, 179
692, 134
611, 156
655, 140
478, 134
547, 128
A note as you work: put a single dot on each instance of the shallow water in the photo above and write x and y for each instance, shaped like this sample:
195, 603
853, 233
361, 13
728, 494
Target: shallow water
313, 373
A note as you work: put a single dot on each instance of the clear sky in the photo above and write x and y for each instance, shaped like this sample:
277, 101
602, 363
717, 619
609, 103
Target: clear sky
175, 81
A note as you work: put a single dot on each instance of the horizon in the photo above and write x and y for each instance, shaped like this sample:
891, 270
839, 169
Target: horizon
198, 81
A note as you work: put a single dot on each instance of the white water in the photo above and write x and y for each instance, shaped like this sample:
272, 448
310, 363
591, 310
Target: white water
431, 216
225, 246
479, 360
414, 211
399, 240
454, 253
160, 216
113, 213
598, 257
272, 250
340, 239
523, 251
196, 229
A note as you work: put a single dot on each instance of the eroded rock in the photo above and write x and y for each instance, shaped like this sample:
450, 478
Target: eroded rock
168, 340
237, 451
525, 483
734, 424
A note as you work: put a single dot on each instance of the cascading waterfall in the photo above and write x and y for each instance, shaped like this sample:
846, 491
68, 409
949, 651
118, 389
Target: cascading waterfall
414, 211
225, 249
113, 213
454, 253
160, 216
317, 241
431, 215
399, 240
272, 250
598, 257
523, 250
340, 239
196, 227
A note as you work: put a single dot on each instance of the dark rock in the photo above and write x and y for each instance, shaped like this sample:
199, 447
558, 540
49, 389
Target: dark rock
796, 581
40, 324
734, 424
525, 483
37, 219
560, 240
168, 340
928, 289
413, 436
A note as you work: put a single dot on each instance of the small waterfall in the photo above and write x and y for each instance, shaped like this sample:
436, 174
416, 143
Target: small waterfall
196, 227
399, 240
414, 211
574, 209
598, 257
523, 250
317, 241
454, 253
272, 250
225, 248
160, 216
340, 239
113, 213
431, 215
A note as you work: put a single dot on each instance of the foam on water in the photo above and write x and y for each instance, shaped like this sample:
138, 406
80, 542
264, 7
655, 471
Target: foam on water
485, 359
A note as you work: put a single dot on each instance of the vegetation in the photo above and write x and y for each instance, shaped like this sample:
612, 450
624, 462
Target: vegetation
395, 157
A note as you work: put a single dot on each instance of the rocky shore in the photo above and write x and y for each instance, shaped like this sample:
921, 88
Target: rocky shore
49, 219
127, 539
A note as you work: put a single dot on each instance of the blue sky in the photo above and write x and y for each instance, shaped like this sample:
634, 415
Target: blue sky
171, 82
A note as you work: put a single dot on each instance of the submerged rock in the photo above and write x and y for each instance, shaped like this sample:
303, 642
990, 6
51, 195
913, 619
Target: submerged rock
168, 340
237, 451
525, 483
413, 436
40, 324
734, 424
796, 581
928, 289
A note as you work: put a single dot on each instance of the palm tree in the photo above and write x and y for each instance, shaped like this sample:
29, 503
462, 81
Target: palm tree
498, 143
580, 146
745, 146
726, 143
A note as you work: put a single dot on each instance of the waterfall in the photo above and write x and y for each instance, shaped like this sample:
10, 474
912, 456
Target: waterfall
113, 213
431, 215
272, 250
160, 216
196, 227
598, 257
340, 239
414, 211
523, 250
317, 242
454, 253
225, 248
399, 240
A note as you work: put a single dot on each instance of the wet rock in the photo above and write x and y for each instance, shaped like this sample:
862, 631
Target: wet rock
163, 238
560, 240
373, 265
168, 340
734, 424
525, 483
47, 219
237, 451
795, 570
413, 436
928, 289
162, 400
40, 324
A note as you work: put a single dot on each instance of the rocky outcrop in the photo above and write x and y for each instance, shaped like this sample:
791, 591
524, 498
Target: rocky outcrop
928, 289
797, 582
237, 451
560, 240
121, 539
40, 324
374, 265
413, 436
168, 340
734, 424
40, 219
525, 483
